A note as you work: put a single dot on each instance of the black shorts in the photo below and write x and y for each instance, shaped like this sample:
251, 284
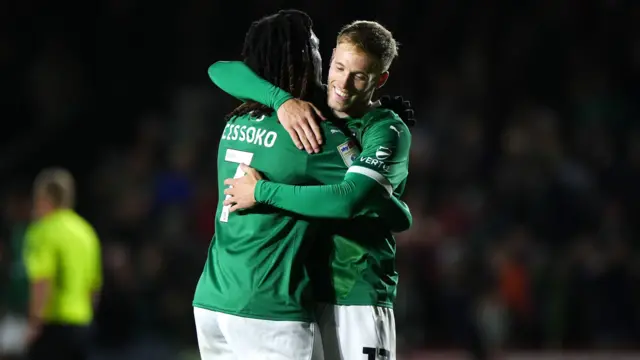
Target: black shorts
69, 342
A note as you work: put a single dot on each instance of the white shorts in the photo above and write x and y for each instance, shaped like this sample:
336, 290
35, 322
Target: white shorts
13, 335
356, 333
224, 337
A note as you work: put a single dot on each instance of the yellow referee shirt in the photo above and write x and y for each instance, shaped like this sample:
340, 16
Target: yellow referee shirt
63, 247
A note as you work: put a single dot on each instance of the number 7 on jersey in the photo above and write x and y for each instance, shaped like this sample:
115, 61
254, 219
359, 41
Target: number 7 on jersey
237, 157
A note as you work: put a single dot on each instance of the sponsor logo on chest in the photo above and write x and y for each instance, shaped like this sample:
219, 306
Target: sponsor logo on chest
349, 151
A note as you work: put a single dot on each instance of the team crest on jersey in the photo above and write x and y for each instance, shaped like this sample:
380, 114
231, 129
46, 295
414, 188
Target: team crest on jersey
383, 153
349, 151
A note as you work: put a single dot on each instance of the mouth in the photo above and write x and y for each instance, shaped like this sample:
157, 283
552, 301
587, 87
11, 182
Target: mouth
341, 94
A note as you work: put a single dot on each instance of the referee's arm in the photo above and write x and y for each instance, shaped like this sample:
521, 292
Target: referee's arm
96, 284
40, 263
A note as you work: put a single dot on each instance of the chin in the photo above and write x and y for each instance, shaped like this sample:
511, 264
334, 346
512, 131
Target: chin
337, 104
337, 107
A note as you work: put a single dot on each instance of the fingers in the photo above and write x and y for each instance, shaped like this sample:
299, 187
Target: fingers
304, 139
310, 136
311, 129
315, 128
250, 173
296, 139
317, 132
232, 205
236, 181
299, 119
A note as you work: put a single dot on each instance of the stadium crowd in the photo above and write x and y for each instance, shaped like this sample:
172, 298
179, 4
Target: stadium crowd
523, 180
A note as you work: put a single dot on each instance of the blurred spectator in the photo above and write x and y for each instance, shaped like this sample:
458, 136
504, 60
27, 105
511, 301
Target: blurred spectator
524, 174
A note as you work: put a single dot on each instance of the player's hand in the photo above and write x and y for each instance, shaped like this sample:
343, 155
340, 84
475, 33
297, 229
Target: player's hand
34, 330
240, 190
300, 119
401, 107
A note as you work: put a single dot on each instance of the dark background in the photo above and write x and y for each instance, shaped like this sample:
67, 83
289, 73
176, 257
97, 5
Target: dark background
525, 171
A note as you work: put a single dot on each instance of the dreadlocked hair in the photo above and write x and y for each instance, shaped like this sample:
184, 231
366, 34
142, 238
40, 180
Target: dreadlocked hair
278, 48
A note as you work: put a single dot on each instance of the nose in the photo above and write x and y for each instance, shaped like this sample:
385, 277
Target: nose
349, 82
341, 80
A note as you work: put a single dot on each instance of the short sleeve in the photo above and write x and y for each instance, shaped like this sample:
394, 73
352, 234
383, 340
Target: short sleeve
39, 254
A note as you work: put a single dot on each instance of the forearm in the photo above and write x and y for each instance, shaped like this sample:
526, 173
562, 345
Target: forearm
238, 80
339, 201
40, 292
95, 298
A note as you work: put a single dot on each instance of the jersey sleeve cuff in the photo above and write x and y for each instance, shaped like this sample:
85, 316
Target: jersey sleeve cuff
258, 192
374, 175
281, 97
39, 275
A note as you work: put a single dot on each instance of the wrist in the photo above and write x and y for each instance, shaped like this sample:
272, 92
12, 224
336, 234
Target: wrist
35, 321
258, 193
283, 98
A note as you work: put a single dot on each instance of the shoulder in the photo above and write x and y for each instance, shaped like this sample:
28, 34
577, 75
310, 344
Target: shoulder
83, 224
71, 221
384, 123
34, 229
380, 118
243, 118
268, 122
38, 234
378, 114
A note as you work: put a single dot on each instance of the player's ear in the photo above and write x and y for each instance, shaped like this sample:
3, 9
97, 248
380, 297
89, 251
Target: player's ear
382, 79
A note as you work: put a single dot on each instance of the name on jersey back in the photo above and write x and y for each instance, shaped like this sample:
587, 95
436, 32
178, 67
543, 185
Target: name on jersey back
249, 134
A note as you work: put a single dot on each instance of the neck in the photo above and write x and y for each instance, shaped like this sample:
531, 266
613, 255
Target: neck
43, 212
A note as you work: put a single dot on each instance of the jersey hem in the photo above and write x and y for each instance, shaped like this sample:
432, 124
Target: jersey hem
252, 316
64, 322
355, 303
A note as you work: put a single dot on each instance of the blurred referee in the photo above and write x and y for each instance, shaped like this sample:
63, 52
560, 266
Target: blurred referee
62, 257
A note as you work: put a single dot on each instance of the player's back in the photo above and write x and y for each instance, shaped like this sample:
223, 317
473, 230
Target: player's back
255, 263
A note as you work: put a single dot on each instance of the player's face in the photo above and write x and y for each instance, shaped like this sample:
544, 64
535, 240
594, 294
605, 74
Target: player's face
353, 77
315, 56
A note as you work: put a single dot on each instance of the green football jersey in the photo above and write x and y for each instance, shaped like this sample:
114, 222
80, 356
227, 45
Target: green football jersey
353, 261
361, 267
255, 265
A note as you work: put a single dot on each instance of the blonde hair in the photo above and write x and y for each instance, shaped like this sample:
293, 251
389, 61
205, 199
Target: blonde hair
58, 185
372, 38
